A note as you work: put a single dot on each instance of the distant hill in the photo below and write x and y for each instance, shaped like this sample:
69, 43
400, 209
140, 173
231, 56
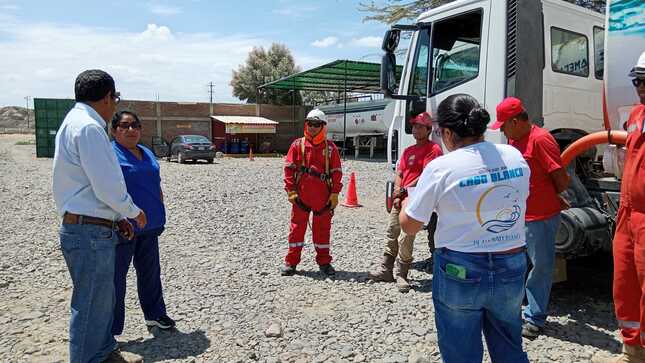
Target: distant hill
15, 117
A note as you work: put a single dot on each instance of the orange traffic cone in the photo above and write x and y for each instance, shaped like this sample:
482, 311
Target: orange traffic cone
250, 153
351, 200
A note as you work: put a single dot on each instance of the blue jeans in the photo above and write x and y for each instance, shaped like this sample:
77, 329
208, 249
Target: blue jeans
89, 254
144, 250
489, 299
540, 243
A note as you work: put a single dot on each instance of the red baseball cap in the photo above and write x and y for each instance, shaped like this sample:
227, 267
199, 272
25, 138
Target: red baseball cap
506, 110
423, 119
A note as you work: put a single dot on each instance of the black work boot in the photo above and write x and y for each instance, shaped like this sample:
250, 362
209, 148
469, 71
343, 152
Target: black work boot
531, 331
327, 269
287, 270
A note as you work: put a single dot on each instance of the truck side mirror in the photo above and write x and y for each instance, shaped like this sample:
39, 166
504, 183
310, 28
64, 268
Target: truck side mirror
391, 40
388, 75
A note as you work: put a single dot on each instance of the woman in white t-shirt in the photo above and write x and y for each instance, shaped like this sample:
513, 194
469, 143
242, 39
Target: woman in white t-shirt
479, 192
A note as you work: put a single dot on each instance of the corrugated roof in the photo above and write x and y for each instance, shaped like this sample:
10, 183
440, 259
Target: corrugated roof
339, 75
244, 120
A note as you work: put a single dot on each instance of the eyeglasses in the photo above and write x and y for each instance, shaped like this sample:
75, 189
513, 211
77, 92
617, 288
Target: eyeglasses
116, 96
314, 123
129, 125
638, 82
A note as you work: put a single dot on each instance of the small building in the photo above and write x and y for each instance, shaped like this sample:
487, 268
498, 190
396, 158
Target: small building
236, 134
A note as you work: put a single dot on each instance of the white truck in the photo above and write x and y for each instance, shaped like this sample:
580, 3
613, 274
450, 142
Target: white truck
365, 122
548, 53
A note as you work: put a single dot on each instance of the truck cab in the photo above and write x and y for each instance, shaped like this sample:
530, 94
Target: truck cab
548, 53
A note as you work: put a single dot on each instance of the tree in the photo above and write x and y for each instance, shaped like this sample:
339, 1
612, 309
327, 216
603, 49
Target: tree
262, 67
396, 10
595, 5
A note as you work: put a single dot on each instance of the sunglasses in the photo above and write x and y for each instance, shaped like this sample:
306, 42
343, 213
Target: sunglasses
638, 82
116, 96
314, 123
127, 125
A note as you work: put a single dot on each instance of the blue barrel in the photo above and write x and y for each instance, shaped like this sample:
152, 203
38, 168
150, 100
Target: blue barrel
244, 147
235, 147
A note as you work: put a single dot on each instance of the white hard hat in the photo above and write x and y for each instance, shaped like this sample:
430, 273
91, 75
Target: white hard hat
316, 115
639, 68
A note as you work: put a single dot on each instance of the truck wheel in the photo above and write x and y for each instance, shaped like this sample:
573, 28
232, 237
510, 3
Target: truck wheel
180, 158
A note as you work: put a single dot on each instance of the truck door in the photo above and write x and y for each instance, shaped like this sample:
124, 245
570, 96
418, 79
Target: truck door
458, 57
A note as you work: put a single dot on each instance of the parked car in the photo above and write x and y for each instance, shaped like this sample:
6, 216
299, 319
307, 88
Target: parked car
160, 147
191, 147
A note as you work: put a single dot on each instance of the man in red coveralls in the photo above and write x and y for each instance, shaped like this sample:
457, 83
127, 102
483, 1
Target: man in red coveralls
312, 178
629, 239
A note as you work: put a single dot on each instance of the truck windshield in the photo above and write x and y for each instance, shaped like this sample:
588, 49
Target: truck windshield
456, 44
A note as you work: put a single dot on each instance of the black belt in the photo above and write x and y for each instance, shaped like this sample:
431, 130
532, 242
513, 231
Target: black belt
322, 176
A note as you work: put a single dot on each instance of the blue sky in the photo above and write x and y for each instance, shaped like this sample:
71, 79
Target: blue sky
173, 48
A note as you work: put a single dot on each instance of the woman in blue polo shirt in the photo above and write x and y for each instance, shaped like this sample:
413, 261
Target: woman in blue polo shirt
143, 181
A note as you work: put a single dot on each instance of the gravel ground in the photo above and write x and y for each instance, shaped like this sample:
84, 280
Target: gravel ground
224, 240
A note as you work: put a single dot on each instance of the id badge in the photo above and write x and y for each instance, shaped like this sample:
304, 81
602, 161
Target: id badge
457, 271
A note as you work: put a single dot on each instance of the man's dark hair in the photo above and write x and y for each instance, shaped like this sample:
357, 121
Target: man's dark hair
119, 115
93, 85
524, 116
462, 114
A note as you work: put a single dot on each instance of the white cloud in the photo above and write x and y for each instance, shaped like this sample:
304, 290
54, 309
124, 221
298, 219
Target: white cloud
325, 42
46, 58
294, 10
367, 42
164, 10
155, 32
9, 7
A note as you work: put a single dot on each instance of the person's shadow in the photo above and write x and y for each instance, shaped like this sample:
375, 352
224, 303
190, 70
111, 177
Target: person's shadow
168, 344
353, 276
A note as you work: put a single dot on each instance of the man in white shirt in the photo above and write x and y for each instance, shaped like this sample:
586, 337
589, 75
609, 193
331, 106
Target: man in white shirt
92, 199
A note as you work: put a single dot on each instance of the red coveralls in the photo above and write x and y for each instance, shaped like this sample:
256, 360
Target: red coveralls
629, 239
314, 193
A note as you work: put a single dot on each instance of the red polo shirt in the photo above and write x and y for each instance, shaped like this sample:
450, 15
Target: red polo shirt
414, 159
542, 153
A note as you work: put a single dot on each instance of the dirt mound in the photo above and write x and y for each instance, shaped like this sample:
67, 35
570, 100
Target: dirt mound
15, 117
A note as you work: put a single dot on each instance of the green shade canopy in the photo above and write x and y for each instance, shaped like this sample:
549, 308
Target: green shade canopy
339, 75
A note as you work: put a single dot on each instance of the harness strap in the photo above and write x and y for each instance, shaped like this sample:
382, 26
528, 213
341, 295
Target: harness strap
326, 177
308, 209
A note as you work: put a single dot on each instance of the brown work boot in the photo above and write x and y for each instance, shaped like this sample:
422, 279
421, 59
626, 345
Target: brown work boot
402, 282
383, 271
631, 354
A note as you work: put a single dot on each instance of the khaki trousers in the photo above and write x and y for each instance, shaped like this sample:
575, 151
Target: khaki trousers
398, 242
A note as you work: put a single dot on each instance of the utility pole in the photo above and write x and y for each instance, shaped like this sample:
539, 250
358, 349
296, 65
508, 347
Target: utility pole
211, 90
27, 100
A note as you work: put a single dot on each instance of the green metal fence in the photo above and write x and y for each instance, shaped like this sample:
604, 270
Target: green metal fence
50, 113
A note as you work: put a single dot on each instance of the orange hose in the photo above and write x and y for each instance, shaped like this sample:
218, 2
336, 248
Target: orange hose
586, 142
605, 114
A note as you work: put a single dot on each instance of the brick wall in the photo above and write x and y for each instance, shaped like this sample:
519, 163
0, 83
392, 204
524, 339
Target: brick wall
192, 118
